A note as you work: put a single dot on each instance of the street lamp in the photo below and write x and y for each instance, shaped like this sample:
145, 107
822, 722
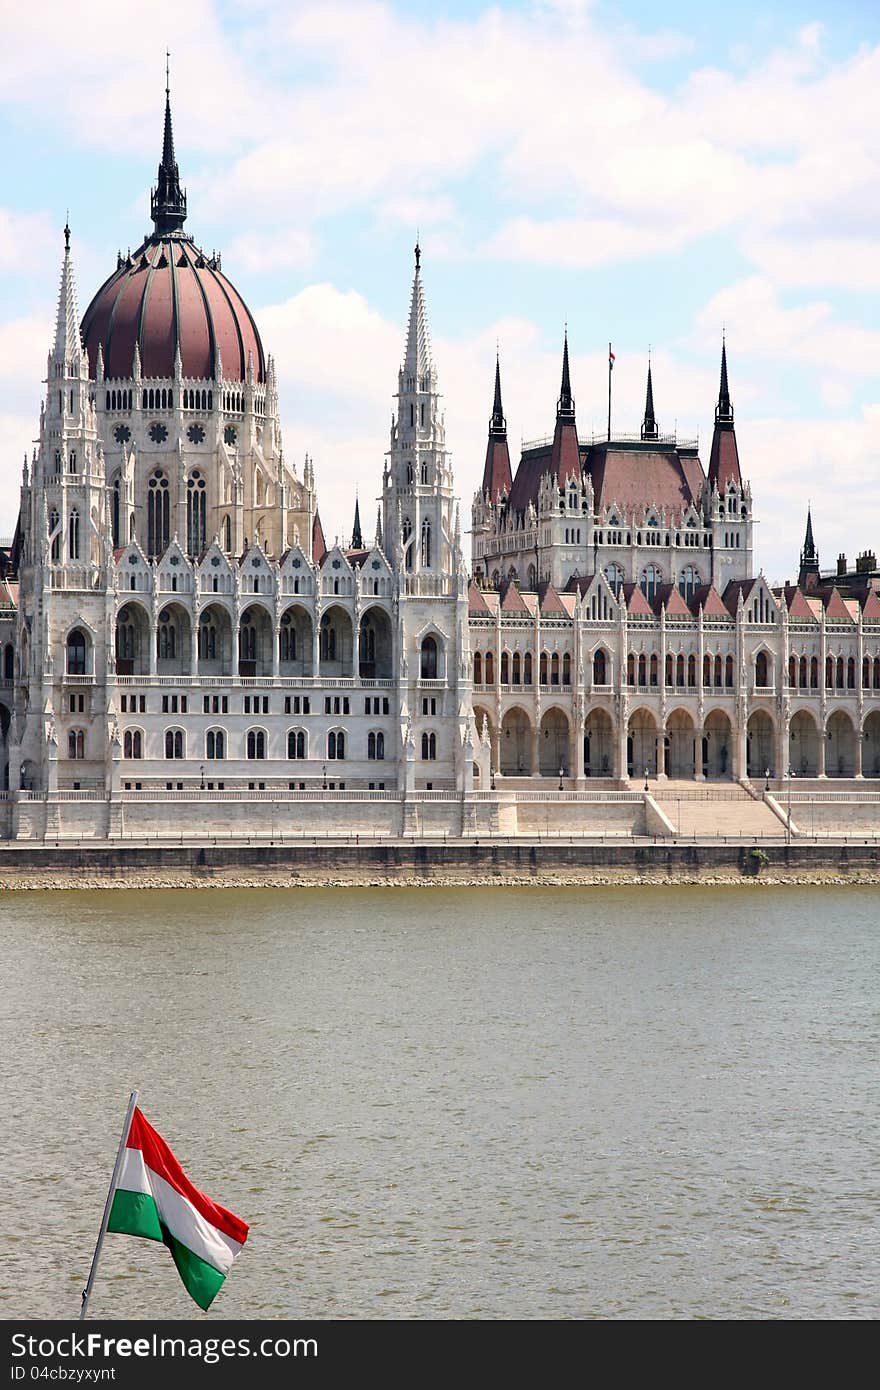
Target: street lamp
766, 779
561, 772
646, 777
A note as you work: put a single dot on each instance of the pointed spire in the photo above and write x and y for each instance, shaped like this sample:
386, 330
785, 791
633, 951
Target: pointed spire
68, 344
497, 475
498, 424
724, 410
565, 404
417, 358
809, 554
168, 199
649, 424
357, 540
378, 528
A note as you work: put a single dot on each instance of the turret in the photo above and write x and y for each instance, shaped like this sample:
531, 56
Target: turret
497, 475
724, 458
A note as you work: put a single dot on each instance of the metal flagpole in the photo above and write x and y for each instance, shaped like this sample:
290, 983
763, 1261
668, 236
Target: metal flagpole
609, 393
132, 1102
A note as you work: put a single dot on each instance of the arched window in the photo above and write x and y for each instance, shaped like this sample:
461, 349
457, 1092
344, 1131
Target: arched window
215, 743
158, 514
132, 744
688, 582
173, 743
76, 653
877, 672
814, 673
8, 662
599, 668
554, 669
692, 670
707, 670
718, 670
376, 746
406, 530
429, 747
296, 744
429, 658
505, 669
761, 670
247, 638
256, 743
866, 673
545, 678
792, 671
73, 535
650, 582
631, 669
670, 669
643, 669
227, 534
287, 639
654, 668
55, 534
76, 742
614, 575
478, 668
829, 672
527, 669
516, 669
336, 744
679, 670
426, 545
566, 668
802, 673
490, 668
728, 672
840, 673
196, 513
851, 673
115, 505
328, 639
166, 638
207, 638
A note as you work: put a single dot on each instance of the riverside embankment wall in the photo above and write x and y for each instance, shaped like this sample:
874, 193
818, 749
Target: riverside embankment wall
406, 863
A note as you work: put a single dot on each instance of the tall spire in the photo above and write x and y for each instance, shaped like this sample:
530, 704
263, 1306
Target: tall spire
417, 359
809, 554
565, 404
649, 424
724, 459
498, 424
497, 476
357, 540
168, 199
68, 343
724, 410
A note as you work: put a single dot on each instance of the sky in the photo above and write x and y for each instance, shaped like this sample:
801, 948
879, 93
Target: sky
646, 179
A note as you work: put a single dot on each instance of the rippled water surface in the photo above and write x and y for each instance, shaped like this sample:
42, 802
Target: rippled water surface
524, 1102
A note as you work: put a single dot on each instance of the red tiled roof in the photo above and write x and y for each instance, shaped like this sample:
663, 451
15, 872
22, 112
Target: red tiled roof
734, 589
724, 458
798, 606
637, 478
513, 601
835, 608
497, 476
552, 603
636, 602
673, 602
528, 478
565, 456
711, 602
871, 606
319, 545
476, 601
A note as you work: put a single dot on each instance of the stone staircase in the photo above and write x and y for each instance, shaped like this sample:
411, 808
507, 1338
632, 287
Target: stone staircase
709, 811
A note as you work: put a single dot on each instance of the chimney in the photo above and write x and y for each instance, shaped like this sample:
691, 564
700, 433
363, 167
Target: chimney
841, 565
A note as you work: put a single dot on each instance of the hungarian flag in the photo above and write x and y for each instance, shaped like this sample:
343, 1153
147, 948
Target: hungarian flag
155, 1199
610, 360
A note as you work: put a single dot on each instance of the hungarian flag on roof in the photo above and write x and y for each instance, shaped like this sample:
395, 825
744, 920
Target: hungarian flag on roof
610, 360
156, 1200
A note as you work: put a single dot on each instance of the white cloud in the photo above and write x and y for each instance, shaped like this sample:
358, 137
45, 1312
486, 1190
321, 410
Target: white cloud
262, 251
25, 239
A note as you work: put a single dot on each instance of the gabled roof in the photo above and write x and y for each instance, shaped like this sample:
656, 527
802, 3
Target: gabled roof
798, 607
733, 591
711, 602
672, 601
551, 602
513, 601
835, 608
636, 603
476, 602
871, 606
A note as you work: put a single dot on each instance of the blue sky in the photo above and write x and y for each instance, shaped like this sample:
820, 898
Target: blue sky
643, 180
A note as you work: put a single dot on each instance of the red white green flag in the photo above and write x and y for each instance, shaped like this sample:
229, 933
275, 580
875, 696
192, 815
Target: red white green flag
611, 360
156, 1200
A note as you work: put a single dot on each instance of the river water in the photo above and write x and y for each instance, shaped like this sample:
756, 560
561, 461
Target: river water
477, 1103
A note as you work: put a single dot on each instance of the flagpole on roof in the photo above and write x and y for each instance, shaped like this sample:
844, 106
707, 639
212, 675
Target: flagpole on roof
610, 361
86, 1294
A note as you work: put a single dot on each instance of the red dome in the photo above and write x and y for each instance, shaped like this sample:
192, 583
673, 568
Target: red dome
169, 295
